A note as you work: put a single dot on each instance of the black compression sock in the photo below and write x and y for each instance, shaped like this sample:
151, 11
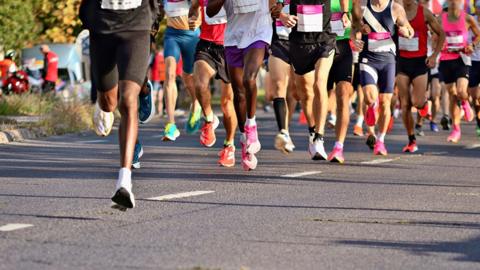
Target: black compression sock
318, 136
280, 107
411, 138
311, 129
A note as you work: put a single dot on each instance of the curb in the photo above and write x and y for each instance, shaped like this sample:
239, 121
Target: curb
17, 135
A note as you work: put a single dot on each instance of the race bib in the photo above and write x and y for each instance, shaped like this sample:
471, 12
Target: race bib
467, 60
245, 6
336, 24
310, 18
120, 4
380, 42
176, 8
455, 41
409, 45
220, 18
282, 31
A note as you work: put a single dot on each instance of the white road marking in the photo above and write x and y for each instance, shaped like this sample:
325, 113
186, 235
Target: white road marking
294, 175
94, 141
180, 195
377, 161
14, 226
473, 146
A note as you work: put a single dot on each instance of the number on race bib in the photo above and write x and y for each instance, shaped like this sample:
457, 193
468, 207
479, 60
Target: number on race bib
310, 18
282, 31
120, 4
409, 45
380, 42
336, 24
176, 8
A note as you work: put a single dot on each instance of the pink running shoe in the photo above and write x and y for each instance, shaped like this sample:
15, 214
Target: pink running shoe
253, 145
336, 155
455, 135
371, 115
249, 161
467, 110
380, 149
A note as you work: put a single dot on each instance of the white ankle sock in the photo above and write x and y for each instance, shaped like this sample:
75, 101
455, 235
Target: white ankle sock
359, 120
251, 122
209, 118
338, 145
124, 179
381, 137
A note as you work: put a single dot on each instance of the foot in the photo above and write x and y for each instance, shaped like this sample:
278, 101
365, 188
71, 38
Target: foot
171, 132
331, 121
102, 121
434, 127
227, 156
423, 112
419, 131
379, 149
146, 108
358, 131
249, 161
371, 141
446, 122
371, 115
316, 148
207, 135
137, 154
455, 136
253, 145
283, 142
123, 197
194, 121
336, 155
468, 112
411, 147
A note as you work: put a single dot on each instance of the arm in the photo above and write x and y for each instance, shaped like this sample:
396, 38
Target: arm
214, 7
400, 17
472, 24
193, 14
437, 30
345, 18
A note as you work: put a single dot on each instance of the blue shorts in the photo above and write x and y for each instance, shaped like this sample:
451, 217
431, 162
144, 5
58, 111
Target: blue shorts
380, 74
181, 42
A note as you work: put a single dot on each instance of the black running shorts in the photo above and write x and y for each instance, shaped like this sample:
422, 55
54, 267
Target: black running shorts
281, 49
474, 80
121, 56
214, 55
452, 70
412, 67
305, 56
342, 68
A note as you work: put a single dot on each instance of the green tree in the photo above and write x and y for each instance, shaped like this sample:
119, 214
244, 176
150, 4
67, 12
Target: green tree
18, 27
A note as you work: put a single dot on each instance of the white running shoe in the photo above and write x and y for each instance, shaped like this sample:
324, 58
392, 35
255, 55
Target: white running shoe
102, 121
316, 148
283, 142
123, 197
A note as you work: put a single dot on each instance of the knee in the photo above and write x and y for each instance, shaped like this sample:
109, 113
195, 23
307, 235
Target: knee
249, 80
418, 103
170, 78
128, 103
107, 106
201, 86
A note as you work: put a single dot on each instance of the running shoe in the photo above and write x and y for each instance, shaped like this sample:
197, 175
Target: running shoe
171, 132
371, 141
207, 135
371, 115
358, 131
468, 113
379, 149
253, 145
331, 121
419, 131
390, 125
146, 108
102, 121
283, 142
455, 136
423, 112
123, 197
249, 161
411, 147
336, 155
316, 148
446, 122
137, 154
194, 121
227, 156
396, 111
433, 126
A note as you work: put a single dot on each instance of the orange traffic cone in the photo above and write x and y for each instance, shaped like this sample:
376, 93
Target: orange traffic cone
302, 119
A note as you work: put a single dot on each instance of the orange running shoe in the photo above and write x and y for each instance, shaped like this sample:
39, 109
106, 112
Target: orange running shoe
207, 135
411, 147
358, 131
423, 112
227, 156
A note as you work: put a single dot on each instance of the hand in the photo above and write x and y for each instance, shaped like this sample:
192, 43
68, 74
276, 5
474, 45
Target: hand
469, 49
431, 61
365, 29
192, 22
358, 45
406, 32
346, 20
276, 10
288, 20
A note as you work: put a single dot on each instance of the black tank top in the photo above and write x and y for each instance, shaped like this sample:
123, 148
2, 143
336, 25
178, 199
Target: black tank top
312, 37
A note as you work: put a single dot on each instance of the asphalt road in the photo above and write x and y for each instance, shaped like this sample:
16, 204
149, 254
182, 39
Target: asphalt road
404, 211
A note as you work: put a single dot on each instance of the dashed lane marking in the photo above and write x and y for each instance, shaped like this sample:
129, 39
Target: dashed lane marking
473, 146
294, 175
14, 226
180, 195
376, 161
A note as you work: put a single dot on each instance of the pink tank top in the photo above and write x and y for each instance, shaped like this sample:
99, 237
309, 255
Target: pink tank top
456, 37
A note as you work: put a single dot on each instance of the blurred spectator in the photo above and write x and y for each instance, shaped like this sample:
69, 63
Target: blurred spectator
157, 76
50, 69
7, 66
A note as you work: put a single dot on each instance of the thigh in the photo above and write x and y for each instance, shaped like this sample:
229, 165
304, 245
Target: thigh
171, 47
187, 44
322, 68
132, 56
253, 59
203, 72
279, 74
386, 78
103, 50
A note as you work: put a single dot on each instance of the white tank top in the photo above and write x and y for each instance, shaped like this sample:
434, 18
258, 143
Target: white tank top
248, 21
476, 53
